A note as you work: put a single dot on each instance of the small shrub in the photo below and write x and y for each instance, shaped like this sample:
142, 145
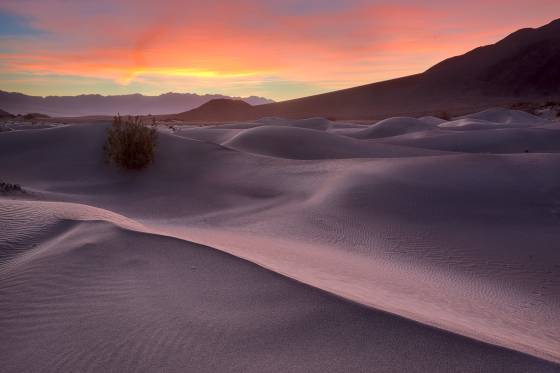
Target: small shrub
10, 188
130, 143
444, 115
32, 116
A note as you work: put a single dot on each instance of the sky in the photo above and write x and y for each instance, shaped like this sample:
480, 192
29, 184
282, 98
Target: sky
279, 49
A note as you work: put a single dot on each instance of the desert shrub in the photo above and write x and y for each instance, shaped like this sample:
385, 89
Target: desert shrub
444, 115
31, 116
10, 188
130, 143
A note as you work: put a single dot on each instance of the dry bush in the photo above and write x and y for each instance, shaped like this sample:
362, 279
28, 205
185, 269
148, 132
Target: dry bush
6, 188
444, 115
130, 143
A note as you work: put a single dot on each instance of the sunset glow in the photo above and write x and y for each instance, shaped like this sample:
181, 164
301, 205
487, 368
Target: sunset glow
277, 49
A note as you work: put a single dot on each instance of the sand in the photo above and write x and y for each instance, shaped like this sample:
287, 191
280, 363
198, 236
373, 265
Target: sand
283, 245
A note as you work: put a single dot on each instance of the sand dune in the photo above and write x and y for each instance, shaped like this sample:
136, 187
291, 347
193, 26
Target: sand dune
393, 127
505, 116
108, 270
302, 143
116, 299
513, 140
464, 124
215, 135
432, 120
309, 123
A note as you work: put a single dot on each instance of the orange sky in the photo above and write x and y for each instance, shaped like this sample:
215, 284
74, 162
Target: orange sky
278, 49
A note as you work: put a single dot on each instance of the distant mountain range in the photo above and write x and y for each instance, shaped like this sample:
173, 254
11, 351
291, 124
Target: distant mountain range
133, 104
525, 66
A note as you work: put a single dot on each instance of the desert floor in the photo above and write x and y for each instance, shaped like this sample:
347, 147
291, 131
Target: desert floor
407, 245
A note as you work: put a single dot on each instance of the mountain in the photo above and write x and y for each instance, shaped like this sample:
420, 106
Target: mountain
522, 67
134, 104
217, 110
5, 114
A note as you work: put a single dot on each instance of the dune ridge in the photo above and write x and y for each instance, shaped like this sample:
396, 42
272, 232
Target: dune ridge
77, 224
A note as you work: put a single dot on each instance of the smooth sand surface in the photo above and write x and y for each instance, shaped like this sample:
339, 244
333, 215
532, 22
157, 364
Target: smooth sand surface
279, 245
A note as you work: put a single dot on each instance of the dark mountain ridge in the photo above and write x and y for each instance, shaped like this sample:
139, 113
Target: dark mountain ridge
93, 104
5, 114
524, 66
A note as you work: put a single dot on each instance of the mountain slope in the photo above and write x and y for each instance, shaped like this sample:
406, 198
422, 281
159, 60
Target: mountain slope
518, 65
5, 114
522, 66
221, 109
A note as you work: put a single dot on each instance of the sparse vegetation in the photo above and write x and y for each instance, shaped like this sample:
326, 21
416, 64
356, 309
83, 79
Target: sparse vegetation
444, 115
33, 116
537, 108
130, 142
5, 114
6, 188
